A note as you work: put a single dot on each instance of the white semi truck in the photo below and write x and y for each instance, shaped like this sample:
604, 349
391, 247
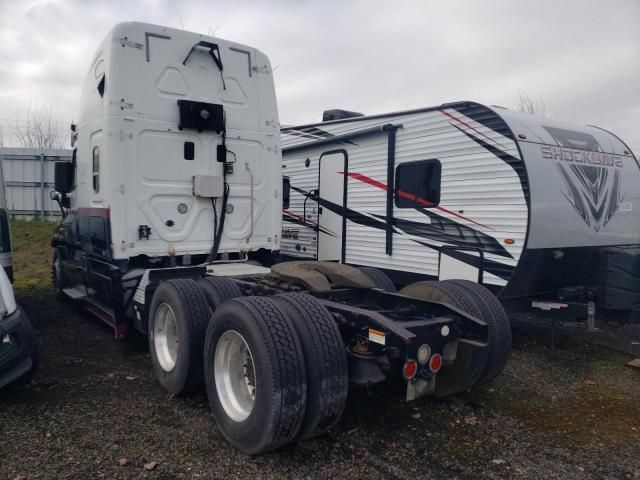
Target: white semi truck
175, 190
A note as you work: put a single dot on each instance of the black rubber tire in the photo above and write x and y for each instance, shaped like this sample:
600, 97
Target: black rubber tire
281, 386
470, 363
28, 376
380, 279
56, 277
218, 290
325, 359
192, 315
499, 328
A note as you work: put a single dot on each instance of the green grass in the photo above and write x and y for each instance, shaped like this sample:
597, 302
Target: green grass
607, 364
31, 255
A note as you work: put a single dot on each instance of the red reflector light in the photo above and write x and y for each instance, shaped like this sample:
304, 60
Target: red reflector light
435, 363
410, 369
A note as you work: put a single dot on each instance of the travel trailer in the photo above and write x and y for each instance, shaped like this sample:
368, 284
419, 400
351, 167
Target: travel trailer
544, 213
175, 190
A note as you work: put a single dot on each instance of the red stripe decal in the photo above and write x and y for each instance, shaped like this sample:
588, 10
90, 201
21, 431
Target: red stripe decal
470, 127
409, 196
311, 222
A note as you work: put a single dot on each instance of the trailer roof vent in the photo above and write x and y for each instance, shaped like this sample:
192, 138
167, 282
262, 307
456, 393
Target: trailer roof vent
337, 114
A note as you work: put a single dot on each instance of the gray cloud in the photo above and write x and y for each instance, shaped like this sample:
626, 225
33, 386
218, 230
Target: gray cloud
581, 57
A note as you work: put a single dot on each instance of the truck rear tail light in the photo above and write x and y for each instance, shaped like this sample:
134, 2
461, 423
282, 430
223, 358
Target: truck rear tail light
410, 369
435, 363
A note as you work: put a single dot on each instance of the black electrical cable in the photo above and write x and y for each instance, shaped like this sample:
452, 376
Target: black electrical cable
223, 212
215, 219
218, 228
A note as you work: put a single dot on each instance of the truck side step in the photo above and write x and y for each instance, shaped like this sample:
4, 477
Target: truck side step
106, 315
73, 293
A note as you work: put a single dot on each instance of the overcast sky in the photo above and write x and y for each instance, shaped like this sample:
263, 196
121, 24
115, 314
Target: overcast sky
582, 58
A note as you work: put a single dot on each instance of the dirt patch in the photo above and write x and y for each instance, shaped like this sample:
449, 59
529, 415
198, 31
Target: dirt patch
567, 412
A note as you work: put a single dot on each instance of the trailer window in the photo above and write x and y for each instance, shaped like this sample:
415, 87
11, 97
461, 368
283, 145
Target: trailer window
418, 184
96, 169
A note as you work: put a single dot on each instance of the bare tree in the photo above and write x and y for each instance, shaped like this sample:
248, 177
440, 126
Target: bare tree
40, 129
525, 104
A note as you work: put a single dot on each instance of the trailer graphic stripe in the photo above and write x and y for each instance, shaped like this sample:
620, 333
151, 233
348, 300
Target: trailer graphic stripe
298, 219
441, 228
486, 117
510, 160
498, 269
596, 197
409, 196
468, 126
446, 231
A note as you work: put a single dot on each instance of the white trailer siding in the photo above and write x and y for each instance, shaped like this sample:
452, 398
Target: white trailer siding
478, 190
535, 205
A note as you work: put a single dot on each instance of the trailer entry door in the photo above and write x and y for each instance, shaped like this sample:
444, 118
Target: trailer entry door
330, 220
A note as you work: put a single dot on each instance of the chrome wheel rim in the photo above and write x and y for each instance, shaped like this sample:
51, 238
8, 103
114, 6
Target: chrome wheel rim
235, 375
165, 337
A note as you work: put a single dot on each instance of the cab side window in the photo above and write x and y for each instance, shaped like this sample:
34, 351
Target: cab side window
96, 169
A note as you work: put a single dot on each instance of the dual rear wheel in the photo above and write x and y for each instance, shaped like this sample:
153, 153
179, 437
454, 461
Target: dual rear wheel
178, 319
275, 370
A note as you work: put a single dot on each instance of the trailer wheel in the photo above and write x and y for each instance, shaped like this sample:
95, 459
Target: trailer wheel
325, 358
380, 279
178, 320
499, 328
218, 290
255, 374
470, 363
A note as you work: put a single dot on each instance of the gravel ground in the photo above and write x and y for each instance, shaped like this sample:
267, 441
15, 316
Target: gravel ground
566, 412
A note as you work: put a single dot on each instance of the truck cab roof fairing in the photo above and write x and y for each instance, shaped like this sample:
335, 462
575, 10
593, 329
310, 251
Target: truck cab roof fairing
130, 113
